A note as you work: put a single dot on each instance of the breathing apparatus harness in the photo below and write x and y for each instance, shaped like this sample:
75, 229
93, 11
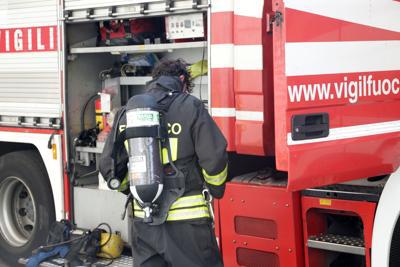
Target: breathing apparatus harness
146, 136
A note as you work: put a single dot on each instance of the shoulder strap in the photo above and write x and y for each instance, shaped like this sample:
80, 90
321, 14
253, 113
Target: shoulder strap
118, 141
165, 102
177, 180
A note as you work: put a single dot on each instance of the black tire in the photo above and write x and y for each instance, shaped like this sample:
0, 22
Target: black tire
25, 186
395, 246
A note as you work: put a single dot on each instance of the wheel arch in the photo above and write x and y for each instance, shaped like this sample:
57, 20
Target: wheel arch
7, 147
387, 216
53, 163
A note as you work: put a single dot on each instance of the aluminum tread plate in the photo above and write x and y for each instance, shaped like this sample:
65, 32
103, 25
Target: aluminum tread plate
338, 243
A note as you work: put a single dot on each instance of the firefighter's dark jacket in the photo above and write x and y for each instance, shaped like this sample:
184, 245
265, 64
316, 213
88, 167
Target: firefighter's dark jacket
193, 135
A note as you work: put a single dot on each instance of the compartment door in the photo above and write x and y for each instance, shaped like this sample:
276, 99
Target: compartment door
337, 89
30, 63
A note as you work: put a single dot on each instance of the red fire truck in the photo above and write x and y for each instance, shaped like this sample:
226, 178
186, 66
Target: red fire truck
307, 93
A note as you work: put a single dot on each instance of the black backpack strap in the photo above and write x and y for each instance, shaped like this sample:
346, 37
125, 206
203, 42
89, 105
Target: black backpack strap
177, 180
118, 142
165, 102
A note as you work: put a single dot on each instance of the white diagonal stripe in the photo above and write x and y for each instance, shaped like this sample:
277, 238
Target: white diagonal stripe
248, 57
249, 115
341, 57
382, 14
352, 132
249, 8
242, 115
223, 112
222, 6
222, 56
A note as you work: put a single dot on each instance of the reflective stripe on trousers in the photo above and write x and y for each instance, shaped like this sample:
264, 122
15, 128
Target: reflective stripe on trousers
184, 208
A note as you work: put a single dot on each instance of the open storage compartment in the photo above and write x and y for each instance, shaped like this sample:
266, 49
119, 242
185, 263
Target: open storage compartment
109, 59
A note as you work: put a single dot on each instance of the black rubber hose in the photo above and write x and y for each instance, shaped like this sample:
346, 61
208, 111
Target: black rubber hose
83, 110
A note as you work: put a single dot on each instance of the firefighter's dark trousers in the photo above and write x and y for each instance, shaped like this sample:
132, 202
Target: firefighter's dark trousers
174, 244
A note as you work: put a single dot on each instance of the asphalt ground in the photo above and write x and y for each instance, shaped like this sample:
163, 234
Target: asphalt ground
2, 264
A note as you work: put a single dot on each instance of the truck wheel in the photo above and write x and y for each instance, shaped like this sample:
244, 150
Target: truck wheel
395, 246
26, 205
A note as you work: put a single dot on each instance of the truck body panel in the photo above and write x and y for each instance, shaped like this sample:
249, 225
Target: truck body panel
345, 66
309, 88
241, 75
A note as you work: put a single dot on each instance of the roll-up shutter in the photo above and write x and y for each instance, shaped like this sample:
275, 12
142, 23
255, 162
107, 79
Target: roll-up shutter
87, 10
30, 69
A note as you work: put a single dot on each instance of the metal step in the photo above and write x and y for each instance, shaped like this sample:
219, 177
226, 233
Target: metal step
338, 243
123, 261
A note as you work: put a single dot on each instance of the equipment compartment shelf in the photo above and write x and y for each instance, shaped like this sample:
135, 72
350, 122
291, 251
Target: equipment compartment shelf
135, 80
142, 80
137, 49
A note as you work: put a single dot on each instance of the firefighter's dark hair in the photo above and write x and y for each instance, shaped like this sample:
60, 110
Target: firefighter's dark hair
174, 68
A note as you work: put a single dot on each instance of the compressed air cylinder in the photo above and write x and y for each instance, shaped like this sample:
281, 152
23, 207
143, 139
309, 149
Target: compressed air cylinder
145, 165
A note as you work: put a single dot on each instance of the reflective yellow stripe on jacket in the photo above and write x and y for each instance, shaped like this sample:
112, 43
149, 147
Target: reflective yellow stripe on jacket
217, 179
173, 142
184, 208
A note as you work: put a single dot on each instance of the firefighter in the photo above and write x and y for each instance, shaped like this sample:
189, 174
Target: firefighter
184, 236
